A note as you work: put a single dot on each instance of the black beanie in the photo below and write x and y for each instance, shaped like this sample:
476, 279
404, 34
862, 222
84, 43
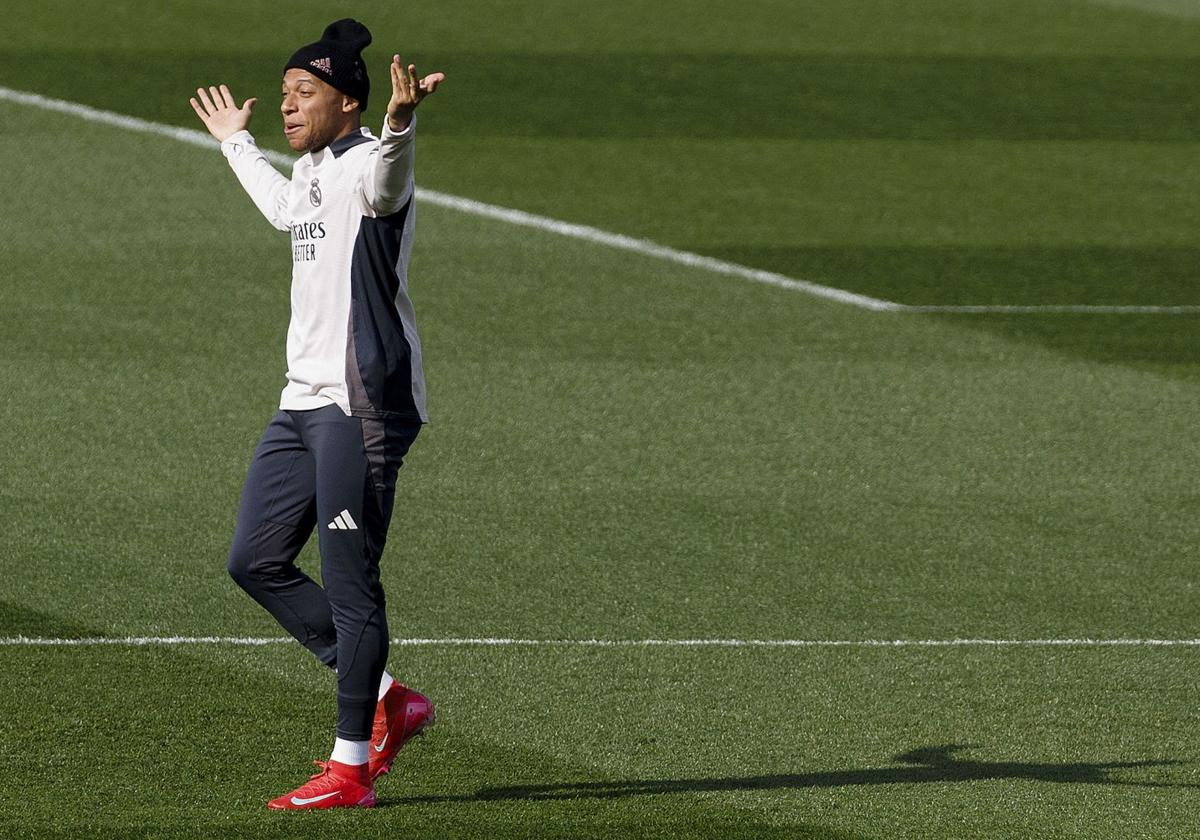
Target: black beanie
337, 59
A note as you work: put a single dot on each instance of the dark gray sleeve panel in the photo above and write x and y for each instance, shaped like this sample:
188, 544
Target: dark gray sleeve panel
379, 356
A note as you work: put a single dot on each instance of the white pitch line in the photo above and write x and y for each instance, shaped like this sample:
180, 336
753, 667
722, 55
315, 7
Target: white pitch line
587, 233
653, 249
251, 641
1058, 309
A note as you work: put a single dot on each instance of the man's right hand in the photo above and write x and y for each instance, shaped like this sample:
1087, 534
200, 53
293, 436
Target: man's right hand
220, 114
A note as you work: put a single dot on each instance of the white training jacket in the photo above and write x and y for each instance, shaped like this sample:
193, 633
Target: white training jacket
352, 340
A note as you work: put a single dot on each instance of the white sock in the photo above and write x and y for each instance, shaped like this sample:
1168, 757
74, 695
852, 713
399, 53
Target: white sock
350, 752
385, 682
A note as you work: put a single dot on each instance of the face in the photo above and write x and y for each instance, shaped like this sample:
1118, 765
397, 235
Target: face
314, 113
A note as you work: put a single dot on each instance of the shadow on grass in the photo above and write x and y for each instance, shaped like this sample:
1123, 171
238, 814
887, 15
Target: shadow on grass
924, 764
20, 620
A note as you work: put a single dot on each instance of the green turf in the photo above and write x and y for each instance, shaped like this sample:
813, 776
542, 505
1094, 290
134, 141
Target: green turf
559, 742
624, 448
1058, 138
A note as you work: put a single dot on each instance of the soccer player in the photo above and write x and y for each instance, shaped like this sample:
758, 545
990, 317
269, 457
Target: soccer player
355, 393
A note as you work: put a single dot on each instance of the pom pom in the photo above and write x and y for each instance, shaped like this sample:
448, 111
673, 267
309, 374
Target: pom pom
348, 34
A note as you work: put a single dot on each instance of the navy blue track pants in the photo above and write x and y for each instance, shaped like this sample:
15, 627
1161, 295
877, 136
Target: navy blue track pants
323, 469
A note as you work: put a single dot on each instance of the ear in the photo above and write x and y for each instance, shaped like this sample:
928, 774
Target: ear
349, 103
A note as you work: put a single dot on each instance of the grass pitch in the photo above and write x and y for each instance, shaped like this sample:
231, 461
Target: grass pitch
628, 449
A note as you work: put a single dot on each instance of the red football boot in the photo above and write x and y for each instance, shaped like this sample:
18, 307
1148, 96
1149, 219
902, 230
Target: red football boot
336, 786
401, 715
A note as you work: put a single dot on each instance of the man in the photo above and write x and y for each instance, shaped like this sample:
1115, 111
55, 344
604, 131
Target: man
355, 393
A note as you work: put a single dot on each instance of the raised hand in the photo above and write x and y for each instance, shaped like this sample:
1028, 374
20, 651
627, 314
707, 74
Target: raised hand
407, 92
220, 113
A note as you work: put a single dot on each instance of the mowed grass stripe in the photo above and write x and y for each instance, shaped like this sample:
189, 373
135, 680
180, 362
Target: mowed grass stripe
478, 208
797, 96
614, 240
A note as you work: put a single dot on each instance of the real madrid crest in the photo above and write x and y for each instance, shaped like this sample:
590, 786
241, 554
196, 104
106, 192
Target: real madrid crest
314, 193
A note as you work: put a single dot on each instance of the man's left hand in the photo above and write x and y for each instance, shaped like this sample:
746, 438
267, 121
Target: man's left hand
407, 92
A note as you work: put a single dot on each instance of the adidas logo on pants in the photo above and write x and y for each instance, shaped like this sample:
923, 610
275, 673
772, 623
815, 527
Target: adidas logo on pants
343, 522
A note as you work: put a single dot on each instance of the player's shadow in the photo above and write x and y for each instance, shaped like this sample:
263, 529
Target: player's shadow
925, 764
